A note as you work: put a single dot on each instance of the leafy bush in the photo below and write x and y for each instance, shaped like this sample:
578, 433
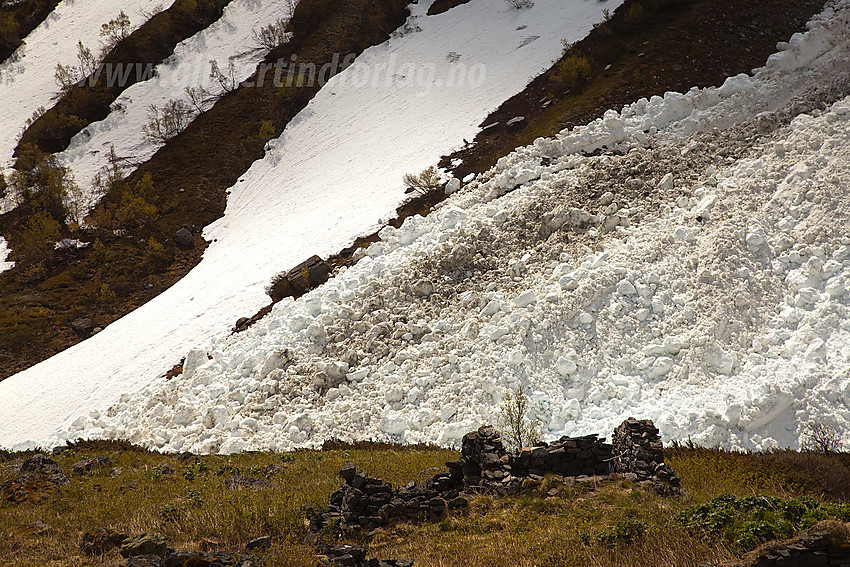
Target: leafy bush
626, 532
750, 521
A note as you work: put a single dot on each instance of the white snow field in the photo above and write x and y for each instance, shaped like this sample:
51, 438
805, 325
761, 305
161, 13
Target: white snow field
4, 253
332, 175
229, 37
718, 307
27, 79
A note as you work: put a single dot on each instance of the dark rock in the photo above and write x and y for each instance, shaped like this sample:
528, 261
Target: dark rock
263, 542
82, 326
41, 464
347, 472
101, 541
179, 558
146, 543
184, 239
240, 482
147, 560
86, 466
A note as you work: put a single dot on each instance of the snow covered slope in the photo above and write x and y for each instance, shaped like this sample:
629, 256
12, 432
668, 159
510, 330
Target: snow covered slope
27, 80
229, 37
330, 177
719, 307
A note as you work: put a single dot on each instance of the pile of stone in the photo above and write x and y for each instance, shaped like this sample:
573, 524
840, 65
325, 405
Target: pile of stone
367, 503
638, 455
345, 555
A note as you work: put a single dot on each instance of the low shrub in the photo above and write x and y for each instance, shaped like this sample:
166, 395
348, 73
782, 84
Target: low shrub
41, 183
422, 183
166, 122
750, 521
272, 35
573, 71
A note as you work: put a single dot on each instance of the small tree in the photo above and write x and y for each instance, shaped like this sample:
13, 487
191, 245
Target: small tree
226, 78
271, 36
198, 98
69, 76
821, 438
167, 122
423, 183
40, 182
518, 429
40, 233
115, 31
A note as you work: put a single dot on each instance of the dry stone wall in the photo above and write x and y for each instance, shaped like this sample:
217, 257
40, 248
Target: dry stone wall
367, 503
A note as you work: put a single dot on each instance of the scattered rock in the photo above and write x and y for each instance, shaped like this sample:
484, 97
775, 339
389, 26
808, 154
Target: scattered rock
364, 504
516, 122
307, 275
39, 478
148, 560
41, 464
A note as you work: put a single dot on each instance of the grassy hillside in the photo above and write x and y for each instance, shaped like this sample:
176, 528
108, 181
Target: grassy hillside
612, 523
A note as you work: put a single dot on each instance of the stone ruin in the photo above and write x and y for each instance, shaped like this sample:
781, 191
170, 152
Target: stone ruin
365, 503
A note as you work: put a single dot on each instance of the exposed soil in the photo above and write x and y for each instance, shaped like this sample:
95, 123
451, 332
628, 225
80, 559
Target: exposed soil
441, 6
